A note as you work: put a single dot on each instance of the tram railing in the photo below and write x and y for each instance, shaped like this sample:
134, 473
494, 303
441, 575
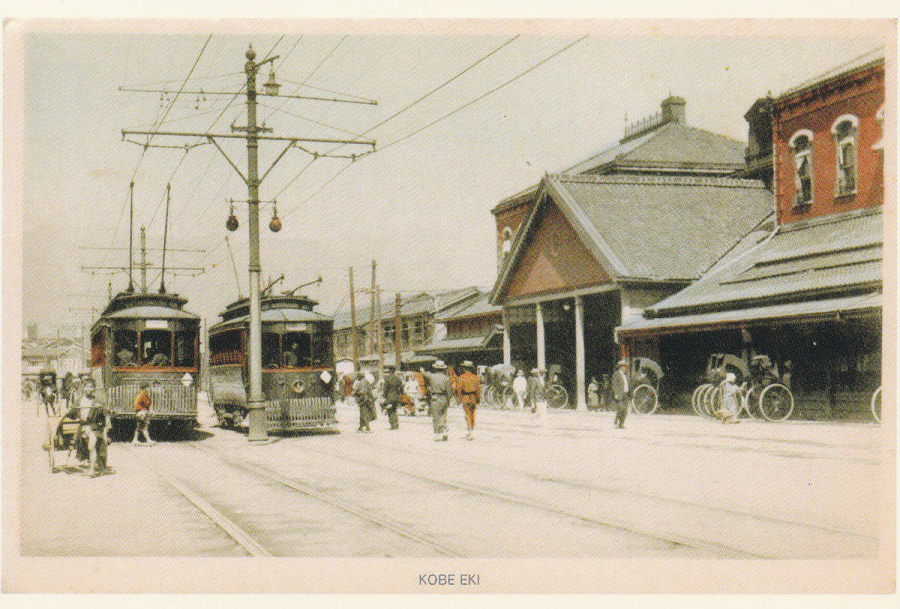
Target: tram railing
169, 400
299, 413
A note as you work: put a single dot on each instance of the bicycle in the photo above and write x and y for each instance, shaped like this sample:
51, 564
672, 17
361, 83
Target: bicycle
876, 405
557, 396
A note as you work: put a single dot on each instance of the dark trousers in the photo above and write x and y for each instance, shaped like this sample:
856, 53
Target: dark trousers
366, 413
621, 411
391, 409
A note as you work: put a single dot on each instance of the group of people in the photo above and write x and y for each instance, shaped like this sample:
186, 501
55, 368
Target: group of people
435, 387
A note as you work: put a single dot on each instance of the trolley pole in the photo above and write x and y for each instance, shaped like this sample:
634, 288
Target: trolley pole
256, 421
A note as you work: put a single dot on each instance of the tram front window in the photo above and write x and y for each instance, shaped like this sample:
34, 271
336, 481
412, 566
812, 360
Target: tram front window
126, 343
296, 350
184, 349
156, 347
271, 346
322, 351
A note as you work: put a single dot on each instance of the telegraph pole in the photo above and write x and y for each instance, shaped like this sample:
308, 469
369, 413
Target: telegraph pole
372, 312
380, 328
397, 330
257, 425
353, 323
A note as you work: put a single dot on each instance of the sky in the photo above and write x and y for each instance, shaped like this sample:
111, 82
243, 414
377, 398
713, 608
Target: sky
463, 119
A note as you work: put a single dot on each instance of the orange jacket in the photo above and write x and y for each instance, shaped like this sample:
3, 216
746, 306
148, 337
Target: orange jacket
142, 401
468, 388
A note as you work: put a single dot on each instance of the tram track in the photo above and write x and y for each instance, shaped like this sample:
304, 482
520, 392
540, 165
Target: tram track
576, 483
669, 538
249, 541
860, 541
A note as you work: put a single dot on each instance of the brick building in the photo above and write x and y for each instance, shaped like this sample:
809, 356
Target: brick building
806, 286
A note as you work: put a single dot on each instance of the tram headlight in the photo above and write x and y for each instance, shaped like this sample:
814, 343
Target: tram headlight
325, 376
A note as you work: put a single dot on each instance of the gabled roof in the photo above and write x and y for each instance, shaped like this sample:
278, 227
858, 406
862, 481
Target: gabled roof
803, 261
647, 228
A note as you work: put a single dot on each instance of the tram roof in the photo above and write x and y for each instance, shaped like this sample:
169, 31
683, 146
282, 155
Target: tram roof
276, 316
283, 307
140, 305
152, 312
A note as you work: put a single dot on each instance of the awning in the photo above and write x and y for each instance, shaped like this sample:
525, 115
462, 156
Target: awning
807, 311
406, 357
461, 345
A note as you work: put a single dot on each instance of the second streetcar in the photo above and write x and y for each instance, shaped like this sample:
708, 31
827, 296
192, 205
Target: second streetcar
297, 358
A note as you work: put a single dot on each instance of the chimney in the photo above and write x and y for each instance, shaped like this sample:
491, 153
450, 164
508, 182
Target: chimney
673, 110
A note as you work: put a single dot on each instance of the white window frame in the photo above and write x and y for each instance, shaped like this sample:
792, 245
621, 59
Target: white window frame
799, 157
506, 238
843, 138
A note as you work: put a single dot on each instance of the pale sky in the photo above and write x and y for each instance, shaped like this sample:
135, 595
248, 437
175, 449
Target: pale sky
420, 205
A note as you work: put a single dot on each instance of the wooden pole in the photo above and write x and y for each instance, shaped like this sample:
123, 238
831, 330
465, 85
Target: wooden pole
353, 323
397, 330
372, 313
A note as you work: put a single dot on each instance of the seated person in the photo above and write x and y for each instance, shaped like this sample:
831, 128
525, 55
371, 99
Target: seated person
290, 359
125, 357
160, 359
93, 434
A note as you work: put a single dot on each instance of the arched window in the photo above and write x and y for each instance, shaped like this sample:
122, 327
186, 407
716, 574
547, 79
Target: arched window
801, 145
845, 132
505, 243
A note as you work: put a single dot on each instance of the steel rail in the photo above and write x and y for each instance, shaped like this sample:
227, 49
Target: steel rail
307, 489
231, 528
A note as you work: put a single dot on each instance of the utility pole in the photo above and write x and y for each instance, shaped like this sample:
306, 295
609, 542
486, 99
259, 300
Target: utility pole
380, 331
143, 260
353, 323
372, 312
257, 425
397, 330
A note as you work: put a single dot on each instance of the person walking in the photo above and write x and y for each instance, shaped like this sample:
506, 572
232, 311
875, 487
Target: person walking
520, 389
142, 404
440, 393
593, 394
410, 395
362, 391
469, 387
621, 388
537, 392
393, 395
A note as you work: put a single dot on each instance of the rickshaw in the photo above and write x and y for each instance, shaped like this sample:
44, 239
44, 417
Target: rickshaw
65, 433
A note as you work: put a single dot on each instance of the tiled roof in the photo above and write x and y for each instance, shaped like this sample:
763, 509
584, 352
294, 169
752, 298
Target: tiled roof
456, 345
819, 258
662, 228
469, 308
415, 304
675, 146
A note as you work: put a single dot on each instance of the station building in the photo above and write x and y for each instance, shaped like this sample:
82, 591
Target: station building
805, 286
599, 242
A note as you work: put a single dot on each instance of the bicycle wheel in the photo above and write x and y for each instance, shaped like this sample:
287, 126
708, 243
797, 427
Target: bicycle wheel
705, 396
750, 403
776, 402
507, 398
644, 399
713, 402
695, 399
876, 405
557, 396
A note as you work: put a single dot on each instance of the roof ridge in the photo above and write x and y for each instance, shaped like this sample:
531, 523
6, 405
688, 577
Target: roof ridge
659, 180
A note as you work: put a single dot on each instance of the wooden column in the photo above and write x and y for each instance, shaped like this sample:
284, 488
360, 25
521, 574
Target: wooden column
541, 346
580, 385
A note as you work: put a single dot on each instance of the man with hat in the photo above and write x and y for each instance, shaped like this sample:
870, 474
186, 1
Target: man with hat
393, 395
362, 391
441, 392
621, 388
469, 386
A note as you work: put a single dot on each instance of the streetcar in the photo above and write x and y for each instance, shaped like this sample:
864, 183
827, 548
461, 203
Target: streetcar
148, 338
298, 374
